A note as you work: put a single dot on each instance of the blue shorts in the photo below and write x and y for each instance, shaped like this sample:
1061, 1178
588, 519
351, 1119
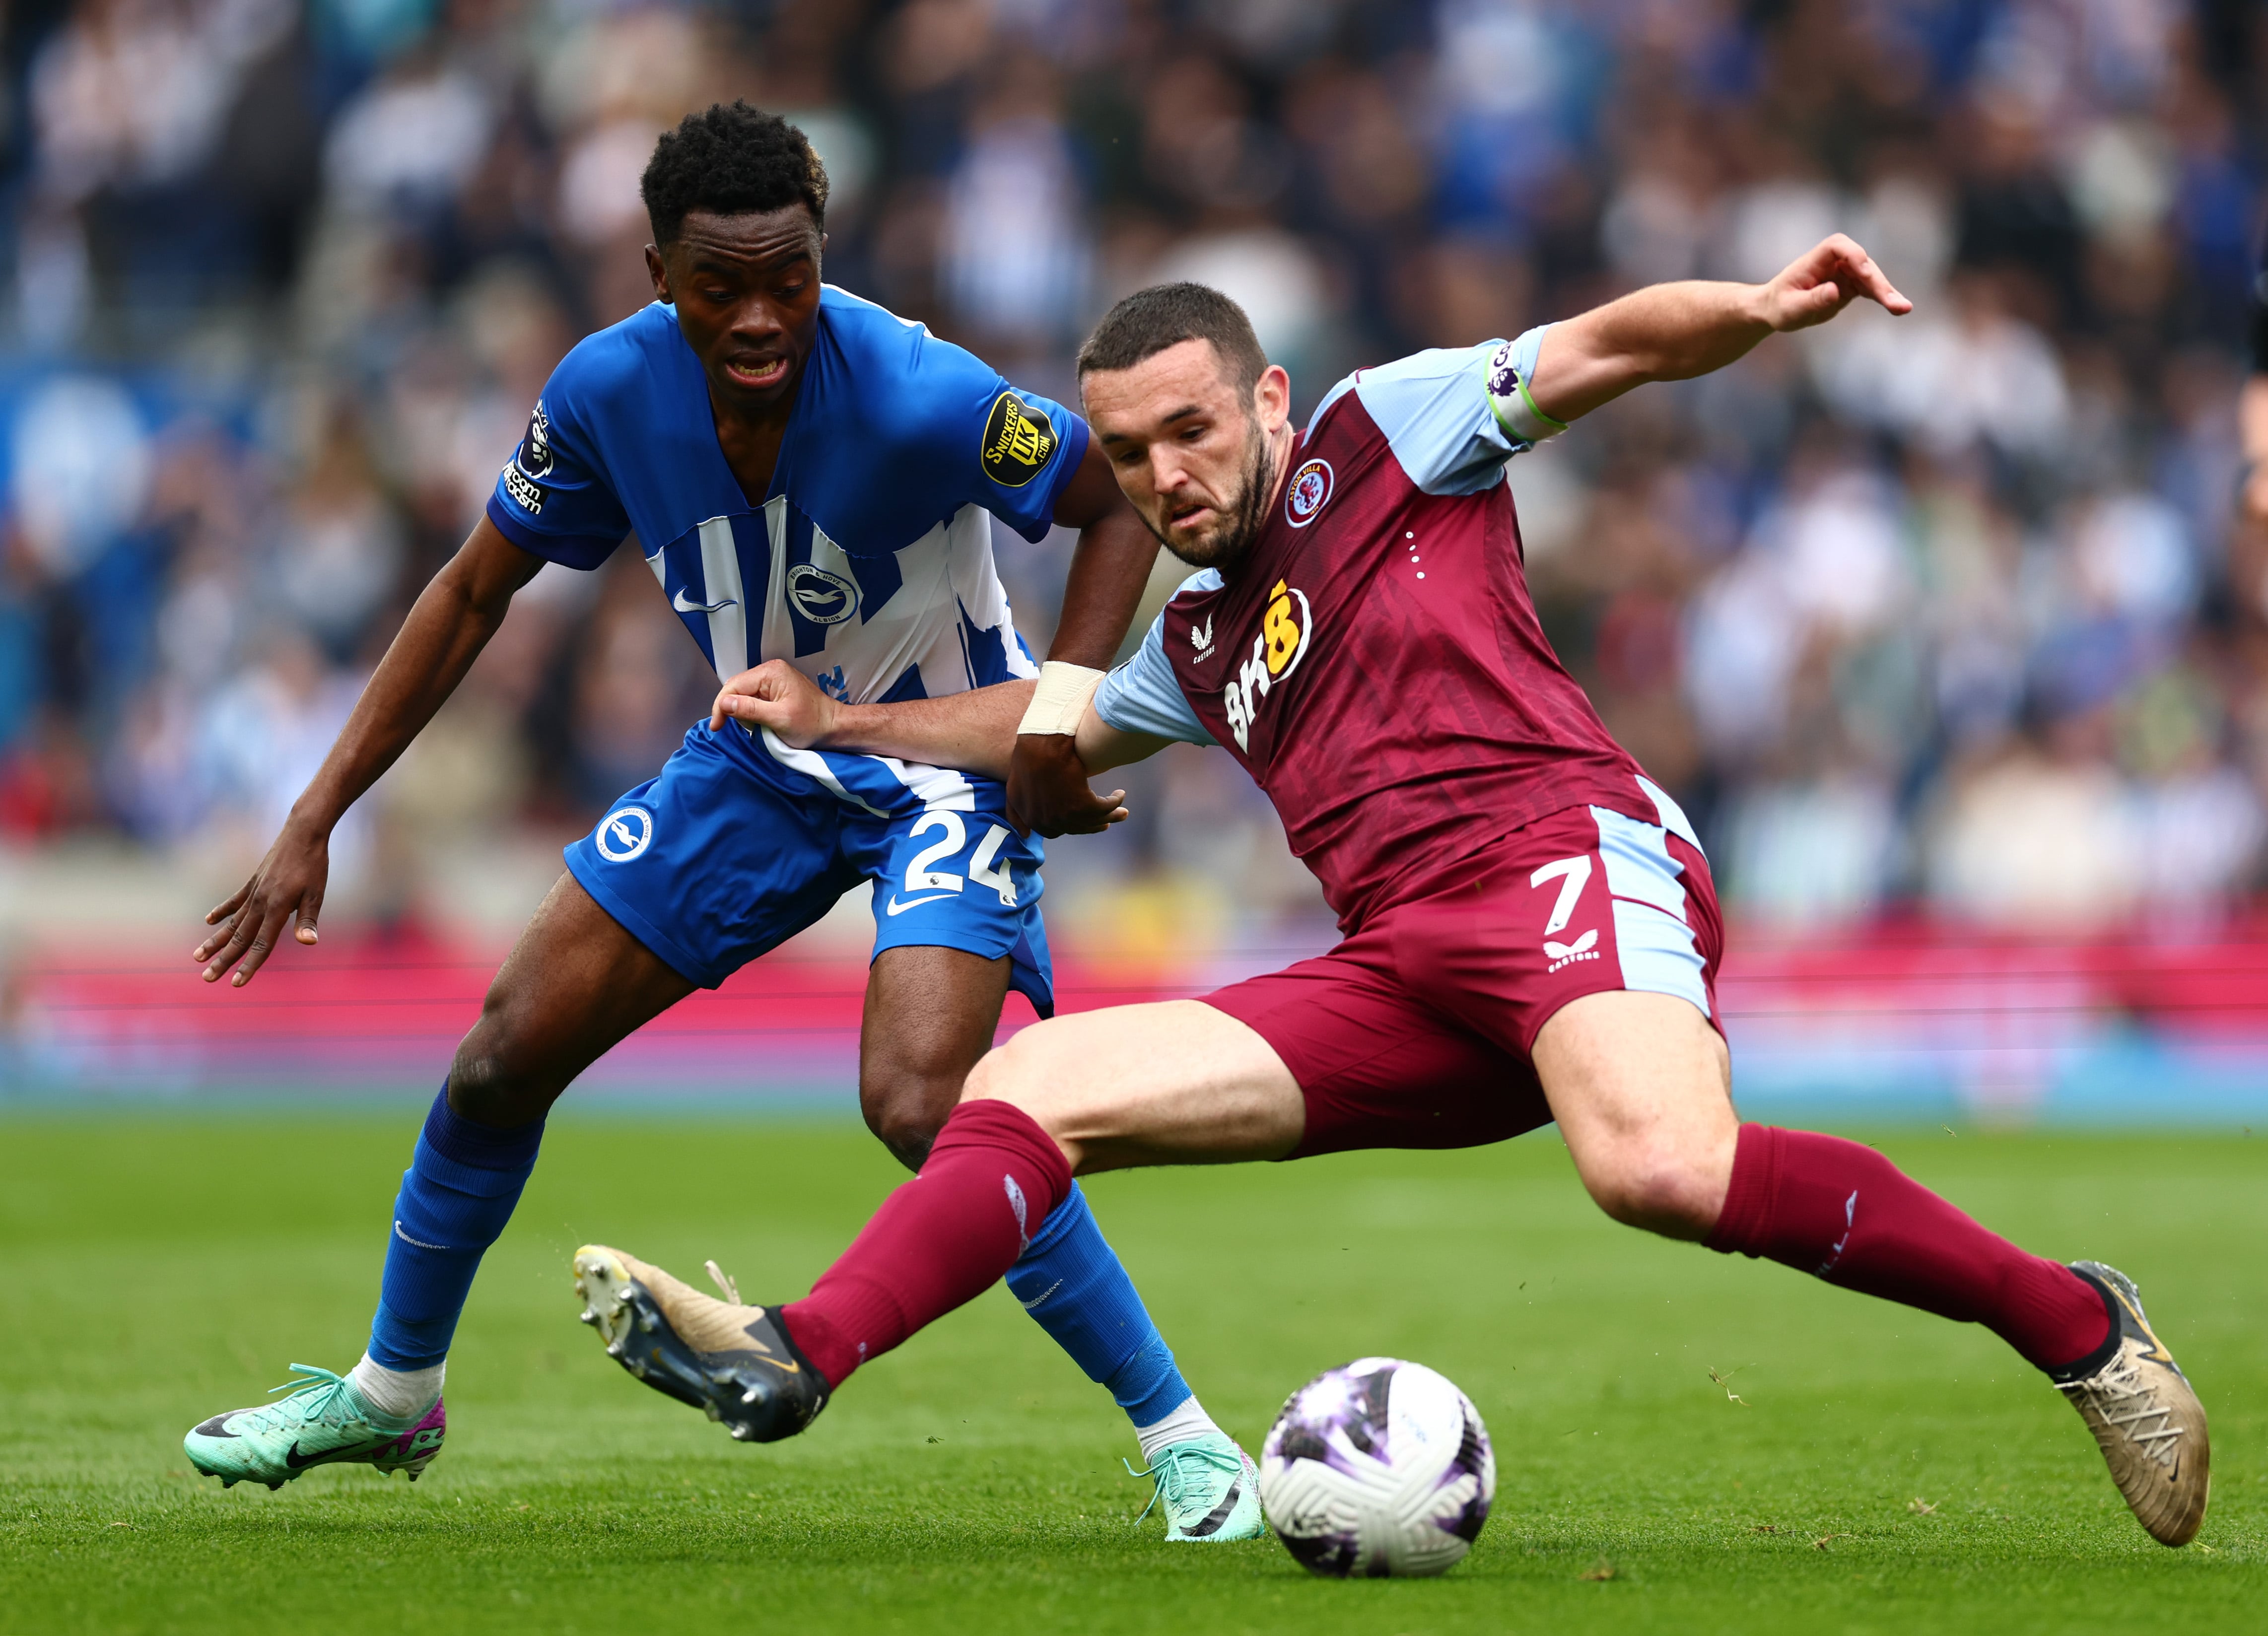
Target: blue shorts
742, 842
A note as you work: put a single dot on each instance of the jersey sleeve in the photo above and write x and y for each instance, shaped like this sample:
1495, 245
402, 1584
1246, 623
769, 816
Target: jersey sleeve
1453, 416
1142, 695
1009, 451
552, 497
1028, 451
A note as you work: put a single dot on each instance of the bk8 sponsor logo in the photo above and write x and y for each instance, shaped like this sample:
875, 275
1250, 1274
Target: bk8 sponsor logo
1286, 629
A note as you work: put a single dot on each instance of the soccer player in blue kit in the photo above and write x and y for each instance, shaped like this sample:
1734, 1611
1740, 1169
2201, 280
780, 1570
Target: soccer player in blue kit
809, 478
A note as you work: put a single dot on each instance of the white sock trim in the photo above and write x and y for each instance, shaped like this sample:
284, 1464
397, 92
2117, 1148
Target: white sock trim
1184, 1423
406, 1393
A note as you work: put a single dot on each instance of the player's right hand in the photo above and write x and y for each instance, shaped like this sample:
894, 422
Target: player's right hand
777, 696
1048, 789
1825, 280
287, 886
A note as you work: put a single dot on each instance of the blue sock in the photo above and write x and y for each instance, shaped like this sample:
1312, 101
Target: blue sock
1070, 1280
462, 1182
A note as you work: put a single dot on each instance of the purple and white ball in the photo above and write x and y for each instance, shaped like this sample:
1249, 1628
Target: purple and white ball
1377, 1468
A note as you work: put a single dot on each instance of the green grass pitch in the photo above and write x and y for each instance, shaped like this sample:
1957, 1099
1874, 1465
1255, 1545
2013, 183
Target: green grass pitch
1866, 1469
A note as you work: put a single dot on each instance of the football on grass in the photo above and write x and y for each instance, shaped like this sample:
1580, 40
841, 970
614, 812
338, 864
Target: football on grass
1377, 1468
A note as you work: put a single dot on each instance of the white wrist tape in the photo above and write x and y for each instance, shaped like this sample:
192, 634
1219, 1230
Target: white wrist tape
1061, 699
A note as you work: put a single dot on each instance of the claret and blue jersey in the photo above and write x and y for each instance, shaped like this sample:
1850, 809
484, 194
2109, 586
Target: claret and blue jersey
868, 566
868, 563
1375, 661
1433, 411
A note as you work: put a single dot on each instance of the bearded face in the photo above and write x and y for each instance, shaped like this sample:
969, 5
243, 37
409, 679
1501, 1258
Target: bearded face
1221, 535
1196, 451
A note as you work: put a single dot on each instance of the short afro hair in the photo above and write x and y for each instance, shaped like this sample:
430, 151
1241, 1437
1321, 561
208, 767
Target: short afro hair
733, 160
1148, 321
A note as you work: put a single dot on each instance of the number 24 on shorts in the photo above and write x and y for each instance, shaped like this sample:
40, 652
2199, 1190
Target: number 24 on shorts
983, 868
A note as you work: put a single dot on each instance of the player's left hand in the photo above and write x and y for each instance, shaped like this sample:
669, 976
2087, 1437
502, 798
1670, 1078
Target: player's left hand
777, 696
1816, 286
1048, 789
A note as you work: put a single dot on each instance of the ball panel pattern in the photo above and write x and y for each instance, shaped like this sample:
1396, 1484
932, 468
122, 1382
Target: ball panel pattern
1379, 1467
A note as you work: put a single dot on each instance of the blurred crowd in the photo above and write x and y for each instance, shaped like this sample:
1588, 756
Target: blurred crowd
1950, 612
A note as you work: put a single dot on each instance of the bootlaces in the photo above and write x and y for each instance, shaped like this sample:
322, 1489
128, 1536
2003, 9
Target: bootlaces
1174, 1481
324, 1392
2118, 1394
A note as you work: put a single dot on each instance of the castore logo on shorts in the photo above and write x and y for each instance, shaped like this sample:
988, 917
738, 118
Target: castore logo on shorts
1572, 875
623, 833
1285, 630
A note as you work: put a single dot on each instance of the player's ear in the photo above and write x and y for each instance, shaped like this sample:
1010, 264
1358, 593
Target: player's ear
659, 274
1271, 397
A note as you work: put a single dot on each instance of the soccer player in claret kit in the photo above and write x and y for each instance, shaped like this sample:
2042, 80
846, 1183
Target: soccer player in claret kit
1530, 930
809, 477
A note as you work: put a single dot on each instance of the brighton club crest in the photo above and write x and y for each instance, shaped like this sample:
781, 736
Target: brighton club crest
1310, 492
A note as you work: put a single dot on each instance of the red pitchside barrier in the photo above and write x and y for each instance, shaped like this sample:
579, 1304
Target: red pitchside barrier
385, 1011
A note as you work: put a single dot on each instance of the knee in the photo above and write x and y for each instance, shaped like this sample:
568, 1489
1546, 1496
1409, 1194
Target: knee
488, 1082
1028, 1073
1648, 1185
905, 1104
1014, 1073
907, 1131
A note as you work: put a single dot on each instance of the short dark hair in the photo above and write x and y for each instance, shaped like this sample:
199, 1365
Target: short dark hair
733, 160
1148, 321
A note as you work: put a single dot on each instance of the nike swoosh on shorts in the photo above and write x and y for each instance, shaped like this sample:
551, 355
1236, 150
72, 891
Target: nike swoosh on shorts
896, 907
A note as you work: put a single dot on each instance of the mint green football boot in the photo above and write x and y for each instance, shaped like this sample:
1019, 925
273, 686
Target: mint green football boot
321, 1420
1210, 1488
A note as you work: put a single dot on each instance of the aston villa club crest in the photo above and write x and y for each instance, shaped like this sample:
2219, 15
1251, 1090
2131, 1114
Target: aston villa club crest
1309, 493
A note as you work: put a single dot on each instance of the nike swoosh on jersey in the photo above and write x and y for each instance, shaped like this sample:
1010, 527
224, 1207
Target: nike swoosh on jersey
896, 907
684, 604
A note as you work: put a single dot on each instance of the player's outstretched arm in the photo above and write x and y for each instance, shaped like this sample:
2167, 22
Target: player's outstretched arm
974, 731
450, 622
1677, 331
1047, 785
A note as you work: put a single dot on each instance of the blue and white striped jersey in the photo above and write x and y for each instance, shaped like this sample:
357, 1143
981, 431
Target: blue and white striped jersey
869, 564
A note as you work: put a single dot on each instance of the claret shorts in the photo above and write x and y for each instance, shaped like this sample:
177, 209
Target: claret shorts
1416, 1031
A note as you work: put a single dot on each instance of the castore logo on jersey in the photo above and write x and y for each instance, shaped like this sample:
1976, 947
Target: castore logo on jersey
1285, 631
